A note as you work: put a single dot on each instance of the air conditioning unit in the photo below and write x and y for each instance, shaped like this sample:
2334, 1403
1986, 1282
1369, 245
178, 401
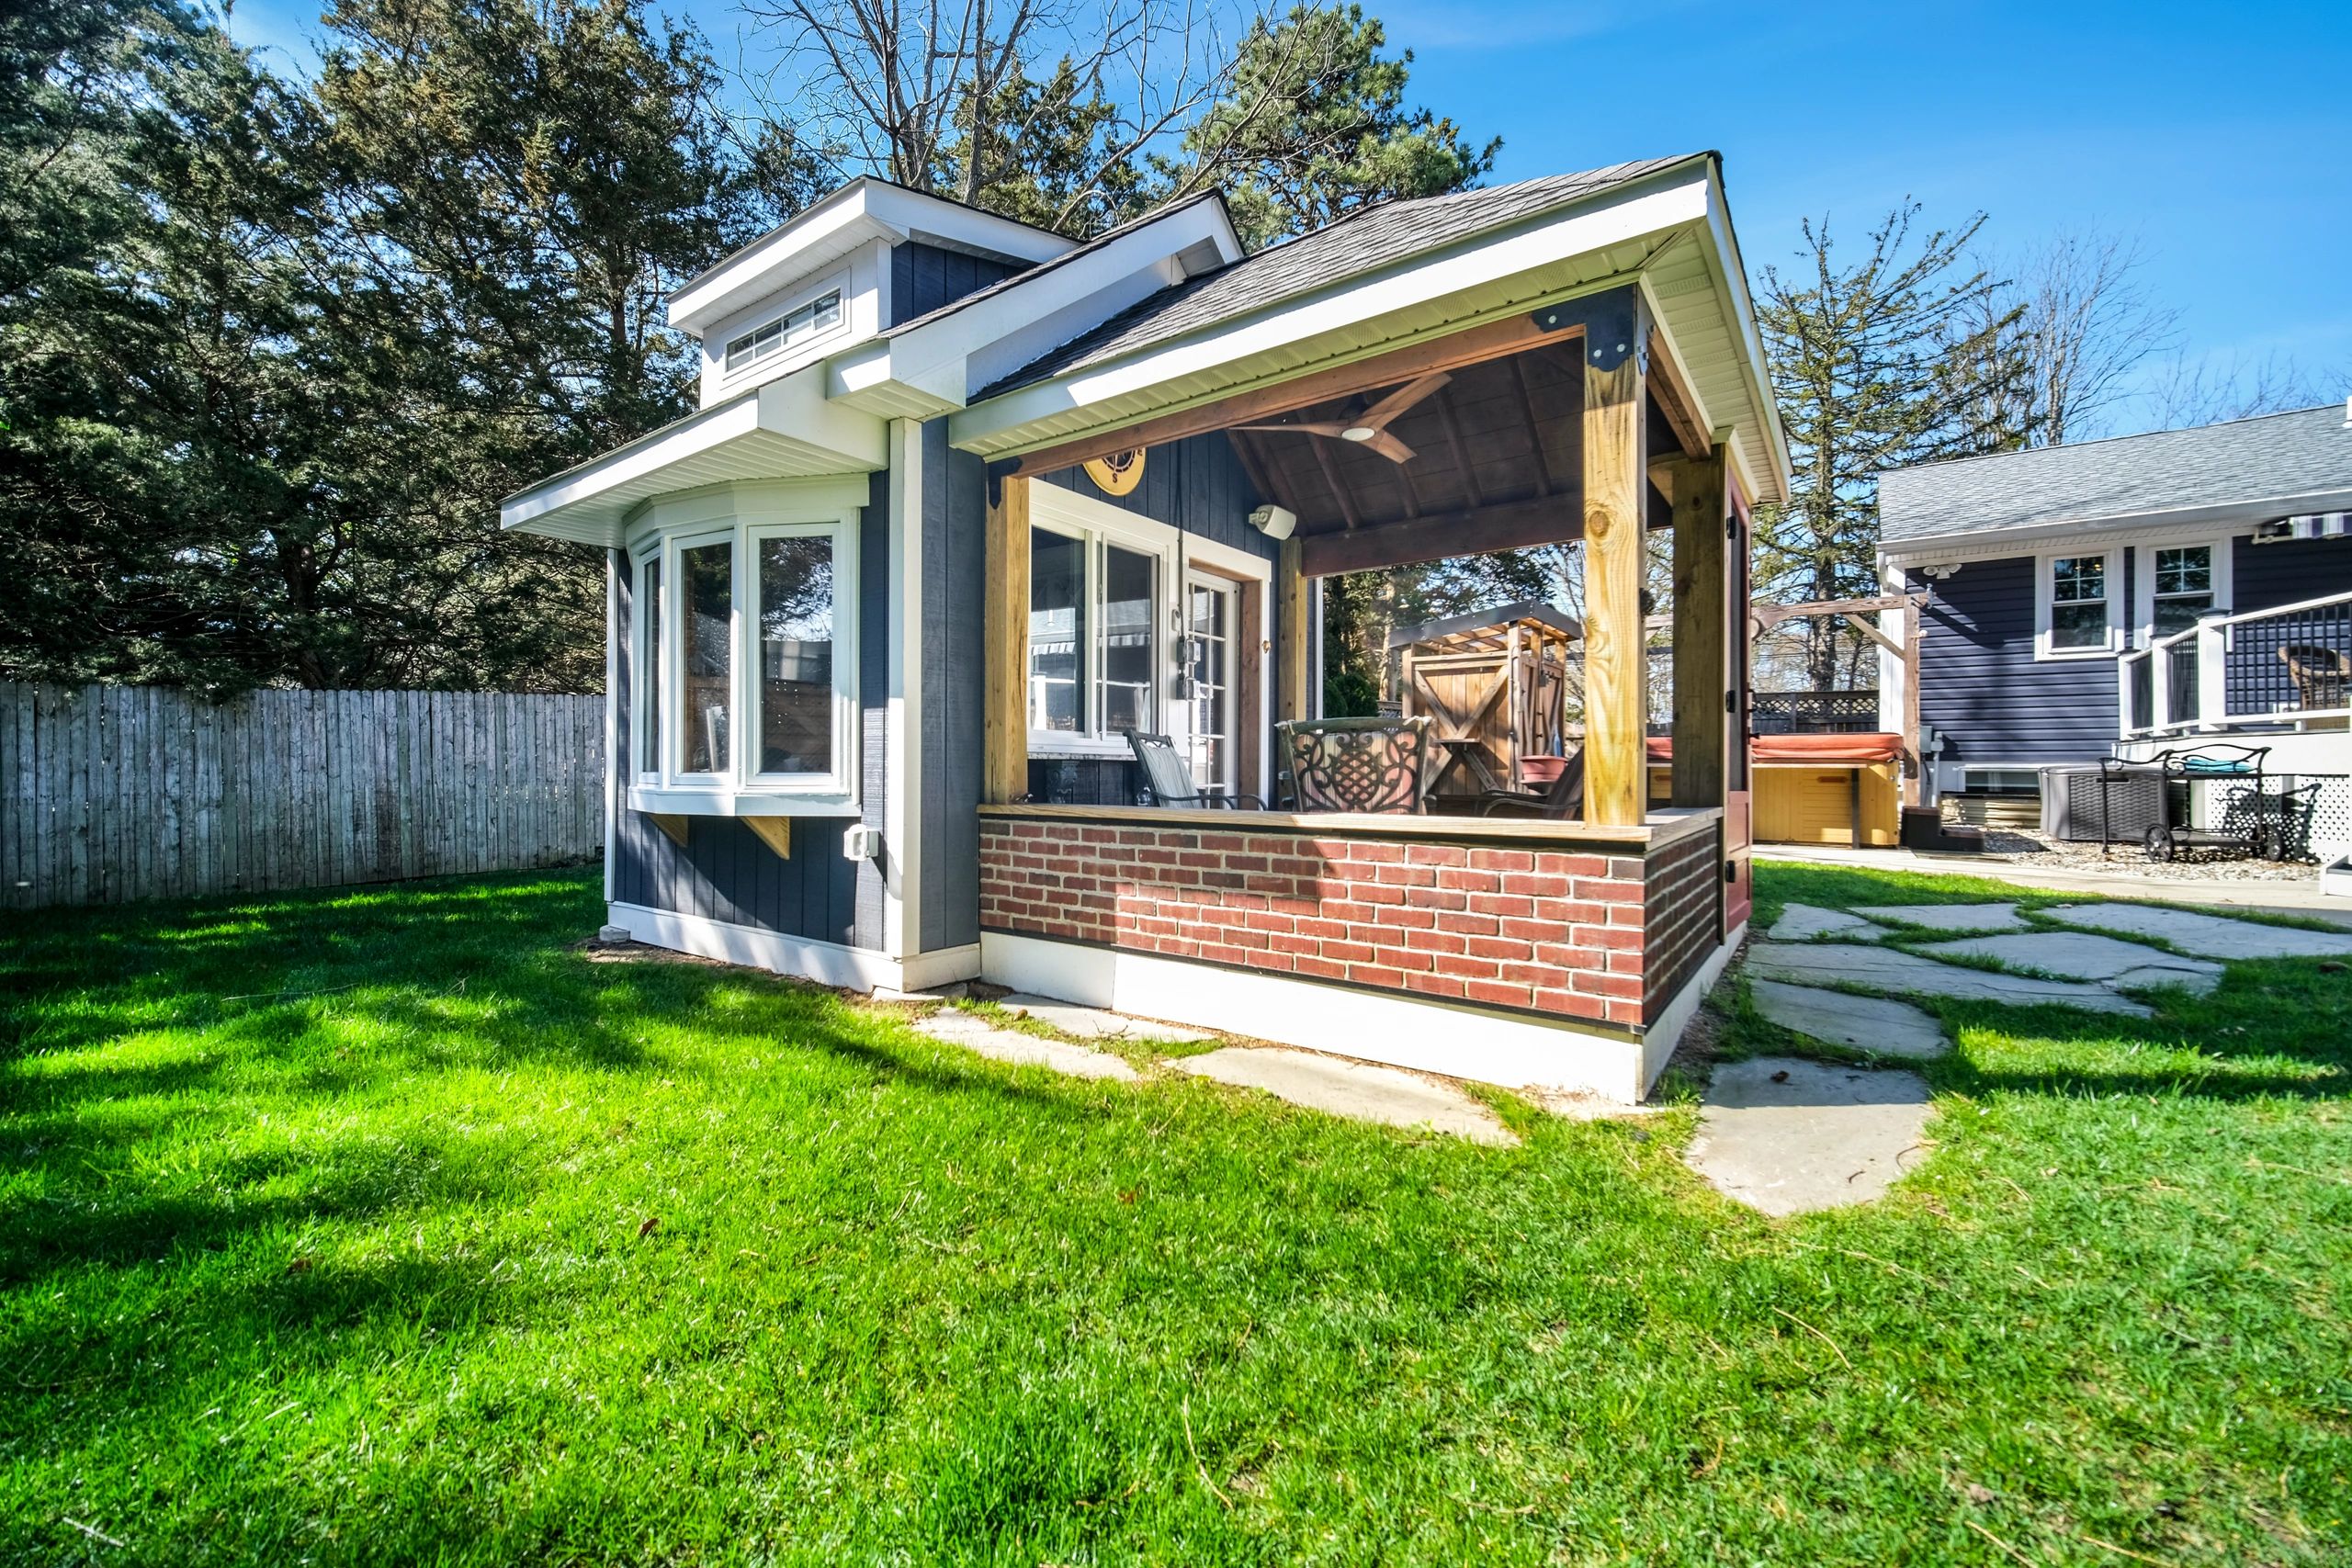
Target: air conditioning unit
2312, 526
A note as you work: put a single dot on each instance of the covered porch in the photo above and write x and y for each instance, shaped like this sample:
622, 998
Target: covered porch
1565, 949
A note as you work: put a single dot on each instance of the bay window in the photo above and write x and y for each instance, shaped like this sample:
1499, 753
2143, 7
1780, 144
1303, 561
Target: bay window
744, 639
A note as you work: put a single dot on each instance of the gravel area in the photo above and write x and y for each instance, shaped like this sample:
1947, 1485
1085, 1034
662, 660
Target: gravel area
2127, 860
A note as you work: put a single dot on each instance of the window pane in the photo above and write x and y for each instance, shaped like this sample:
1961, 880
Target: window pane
797, 656
2078, 626
2185, 571
707, 573
2078, 580
1126, 640
649, 591
2179, 612
1058, 630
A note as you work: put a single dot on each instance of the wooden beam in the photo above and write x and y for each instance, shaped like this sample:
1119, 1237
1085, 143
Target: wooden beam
1702, 631
1331, 476
1616, 654
1534, 431
1915, 760
1250, 652
1465, 531
1490, 340
1291, 634
1675, 401
776, 832
1767, 616
674, 825
1876, 635
1004, 768
1469, 475
1254, 462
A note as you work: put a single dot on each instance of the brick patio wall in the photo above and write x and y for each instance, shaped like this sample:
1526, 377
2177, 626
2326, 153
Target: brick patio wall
1681, 915
1557, 931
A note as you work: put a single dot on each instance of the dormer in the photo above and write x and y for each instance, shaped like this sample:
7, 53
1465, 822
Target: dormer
842, 273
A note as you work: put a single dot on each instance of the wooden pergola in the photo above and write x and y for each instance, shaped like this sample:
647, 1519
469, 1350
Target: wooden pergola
1570, 421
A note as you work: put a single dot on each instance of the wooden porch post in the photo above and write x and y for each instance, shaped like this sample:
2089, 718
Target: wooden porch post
1291, 638
1004, 769
1702, 630
1616, 707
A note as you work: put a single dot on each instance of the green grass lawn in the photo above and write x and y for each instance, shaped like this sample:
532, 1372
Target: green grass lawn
383, 1226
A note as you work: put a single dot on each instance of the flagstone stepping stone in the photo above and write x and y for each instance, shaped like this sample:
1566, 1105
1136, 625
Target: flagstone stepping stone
2082, 957
1787, 1135
2210, 936
1949, 917
1094, 1023
1801, 922
1351, 1090
977, 1034
1887, 969
1867, 1023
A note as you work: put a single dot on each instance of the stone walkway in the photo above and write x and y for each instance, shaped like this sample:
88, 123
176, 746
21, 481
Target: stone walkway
1351, 1088
1786, 1135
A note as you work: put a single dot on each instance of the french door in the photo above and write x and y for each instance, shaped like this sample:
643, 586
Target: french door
1209, 630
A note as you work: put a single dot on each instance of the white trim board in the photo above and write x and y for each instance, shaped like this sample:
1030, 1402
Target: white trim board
805, 958
1397, 1030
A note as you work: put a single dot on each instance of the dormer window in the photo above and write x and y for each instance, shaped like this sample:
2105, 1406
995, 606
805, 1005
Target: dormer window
819, 315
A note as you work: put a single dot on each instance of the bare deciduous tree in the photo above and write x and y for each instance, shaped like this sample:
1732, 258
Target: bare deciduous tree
2188, 392
2088, 327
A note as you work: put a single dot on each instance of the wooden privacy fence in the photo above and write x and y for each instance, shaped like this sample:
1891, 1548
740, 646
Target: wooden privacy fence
110, 793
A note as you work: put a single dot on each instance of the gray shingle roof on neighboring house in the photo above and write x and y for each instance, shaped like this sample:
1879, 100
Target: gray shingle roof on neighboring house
1360, 242
2275, 464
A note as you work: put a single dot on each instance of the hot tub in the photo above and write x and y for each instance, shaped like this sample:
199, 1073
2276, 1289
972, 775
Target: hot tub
1815, 789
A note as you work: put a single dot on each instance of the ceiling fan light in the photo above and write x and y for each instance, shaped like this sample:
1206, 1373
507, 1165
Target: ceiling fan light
1359, 433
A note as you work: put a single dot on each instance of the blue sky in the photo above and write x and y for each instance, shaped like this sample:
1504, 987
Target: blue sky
2220, 139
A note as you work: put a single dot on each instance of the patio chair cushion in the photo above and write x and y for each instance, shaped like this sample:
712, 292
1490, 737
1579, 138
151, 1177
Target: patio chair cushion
1357, 764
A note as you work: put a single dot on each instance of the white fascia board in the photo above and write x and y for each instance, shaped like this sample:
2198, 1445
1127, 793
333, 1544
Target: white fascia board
860, 211
1731, 278
786, 429
648, 454
992, 336
1479, 262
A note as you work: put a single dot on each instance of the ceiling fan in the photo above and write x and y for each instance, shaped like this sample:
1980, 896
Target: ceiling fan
1370, 427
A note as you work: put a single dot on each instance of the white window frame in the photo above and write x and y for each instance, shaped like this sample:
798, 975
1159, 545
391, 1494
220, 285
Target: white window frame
742, 515
2044, 566
1233, 590
2144, 586
1148, 539
788, 356
1069, 511
643, 747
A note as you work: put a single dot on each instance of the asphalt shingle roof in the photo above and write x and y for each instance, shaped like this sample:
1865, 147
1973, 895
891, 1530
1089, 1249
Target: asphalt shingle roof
2287, 462
1360, 242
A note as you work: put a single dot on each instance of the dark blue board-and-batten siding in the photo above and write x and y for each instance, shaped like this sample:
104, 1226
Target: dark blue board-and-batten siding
923, 277
1981, 687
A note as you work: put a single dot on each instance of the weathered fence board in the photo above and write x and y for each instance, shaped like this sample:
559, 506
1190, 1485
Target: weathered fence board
112, 792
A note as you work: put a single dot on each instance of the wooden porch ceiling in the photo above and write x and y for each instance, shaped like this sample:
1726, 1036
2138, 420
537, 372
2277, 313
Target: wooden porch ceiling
1496, 464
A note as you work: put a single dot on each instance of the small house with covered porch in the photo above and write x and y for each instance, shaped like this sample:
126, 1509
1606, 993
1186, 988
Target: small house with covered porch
971, 513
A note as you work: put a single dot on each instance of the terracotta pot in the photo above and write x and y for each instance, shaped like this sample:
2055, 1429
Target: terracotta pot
1541, 770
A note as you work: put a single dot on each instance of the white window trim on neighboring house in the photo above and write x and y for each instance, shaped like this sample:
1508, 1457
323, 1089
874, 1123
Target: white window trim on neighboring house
2044, 566
1068, 512
742, 515
2143, 585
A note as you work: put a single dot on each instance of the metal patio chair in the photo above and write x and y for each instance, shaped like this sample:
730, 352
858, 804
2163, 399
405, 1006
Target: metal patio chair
1170, 779
1562, 800
1356, 764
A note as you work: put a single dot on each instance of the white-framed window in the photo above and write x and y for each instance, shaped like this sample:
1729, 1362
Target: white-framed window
2179, 583
2078, 603
1212, 628
796, 326
1096, 659
745, 649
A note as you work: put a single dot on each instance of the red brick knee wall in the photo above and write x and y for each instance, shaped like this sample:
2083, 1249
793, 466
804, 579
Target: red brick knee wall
1681, 915
1554, 929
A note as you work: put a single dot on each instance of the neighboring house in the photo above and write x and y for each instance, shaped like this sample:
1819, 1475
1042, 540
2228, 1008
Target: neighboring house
966, 503
2117, 597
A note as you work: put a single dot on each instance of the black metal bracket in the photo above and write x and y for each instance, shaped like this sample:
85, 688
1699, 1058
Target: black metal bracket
1731, 872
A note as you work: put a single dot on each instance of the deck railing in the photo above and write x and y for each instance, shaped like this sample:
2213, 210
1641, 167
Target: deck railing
2284, 665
